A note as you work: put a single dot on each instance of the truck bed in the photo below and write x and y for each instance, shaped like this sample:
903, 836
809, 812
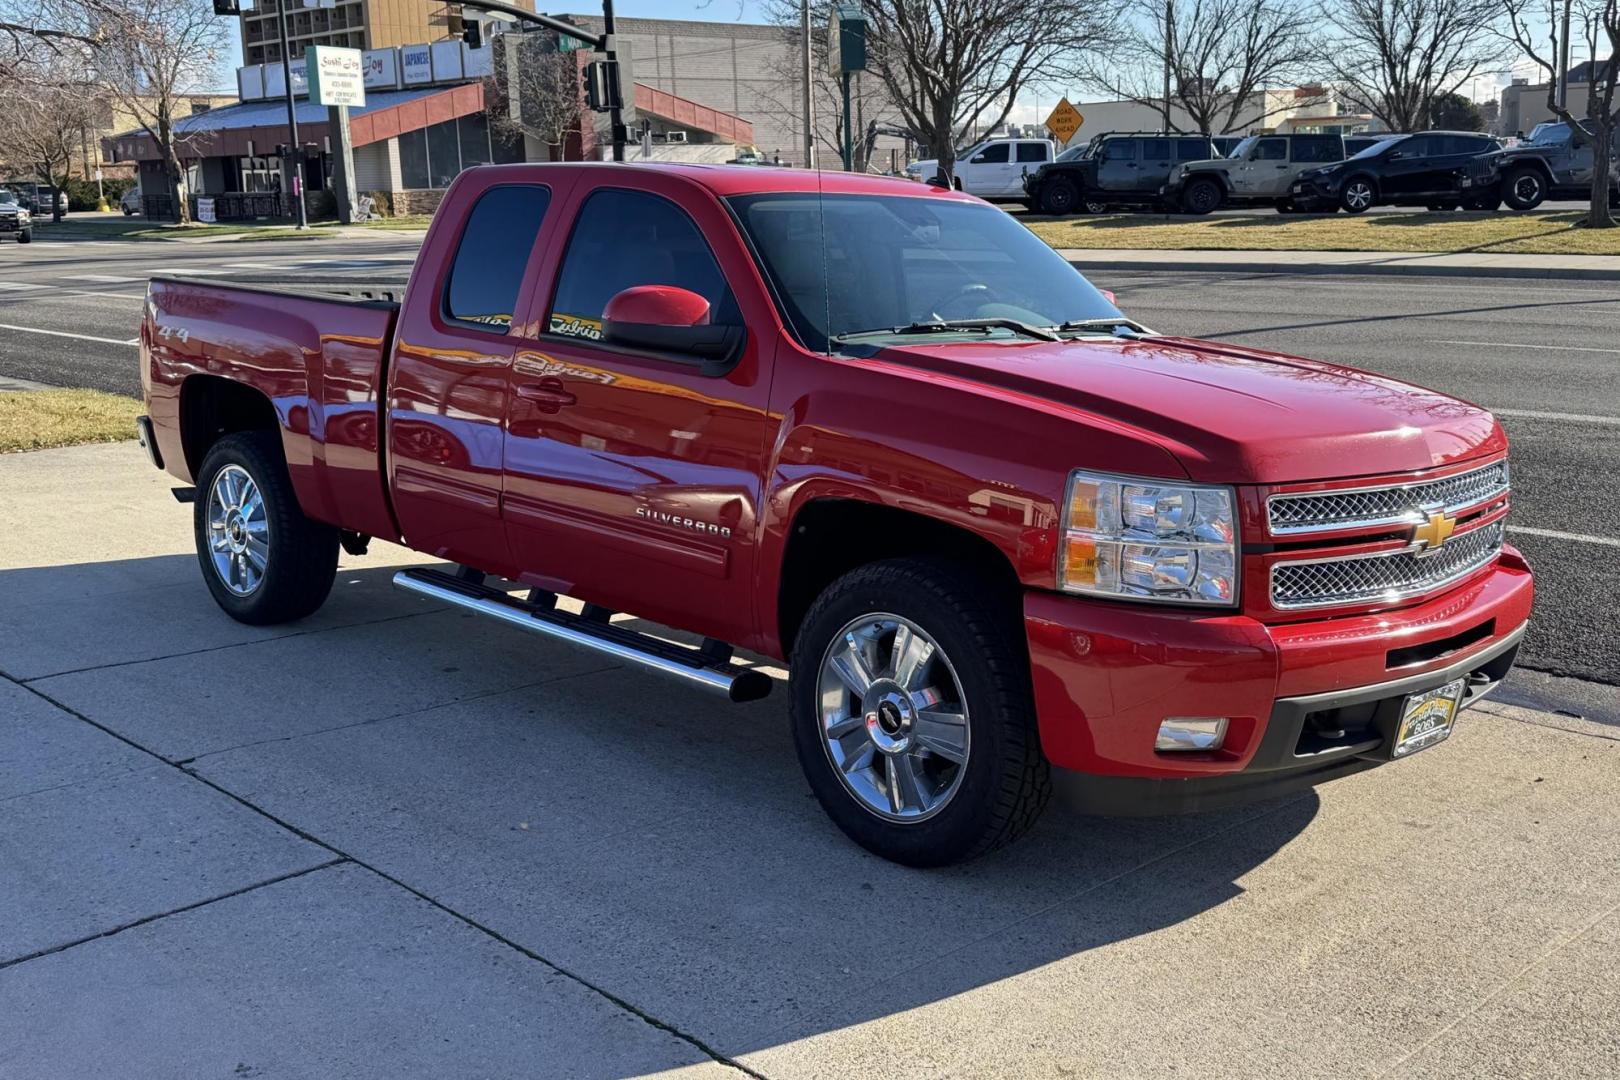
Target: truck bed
317, 352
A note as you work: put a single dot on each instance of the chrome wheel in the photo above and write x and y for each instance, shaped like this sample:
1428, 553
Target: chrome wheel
893, 720
1358, 196
238, 530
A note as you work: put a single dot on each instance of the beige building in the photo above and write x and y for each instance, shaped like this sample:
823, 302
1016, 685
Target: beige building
1524, 103
352, 24
113, 118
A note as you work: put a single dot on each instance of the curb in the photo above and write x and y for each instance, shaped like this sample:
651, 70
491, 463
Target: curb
1320, 269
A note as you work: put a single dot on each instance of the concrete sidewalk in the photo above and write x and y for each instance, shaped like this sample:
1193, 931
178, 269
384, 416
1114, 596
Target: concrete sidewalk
1448, 264
393, 841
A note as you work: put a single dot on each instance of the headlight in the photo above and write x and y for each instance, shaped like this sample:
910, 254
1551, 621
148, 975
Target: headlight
1148, 540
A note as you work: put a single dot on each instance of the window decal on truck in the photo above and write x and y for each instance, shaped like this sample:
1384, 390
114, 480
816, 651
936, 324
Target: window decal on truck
574, 326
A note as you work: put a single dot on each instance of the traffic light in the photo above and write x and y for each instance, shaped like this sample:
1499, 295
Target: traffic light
227, 7
472, 33
602, 85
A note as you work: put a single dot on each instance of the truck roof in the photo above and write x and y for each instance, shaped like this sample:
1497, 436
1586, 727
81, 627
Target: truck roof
726, 180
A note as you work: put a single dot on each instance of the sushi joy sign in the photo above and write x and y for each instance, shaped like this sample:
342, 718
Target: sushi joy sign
336, 76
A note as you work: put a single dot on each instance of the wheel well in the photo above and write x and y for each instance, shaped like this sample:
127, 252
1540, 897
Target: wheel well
831, 537
211, 408
1535, 165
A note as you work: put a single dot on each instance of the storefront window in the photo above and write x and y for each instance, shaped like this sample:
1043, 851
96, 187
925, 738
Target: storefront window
444, 153
413, 163
475, 149
260, 173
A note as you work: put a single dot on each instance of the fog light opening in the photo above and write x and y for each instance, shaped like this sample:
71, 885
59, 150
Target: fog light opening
1179, 733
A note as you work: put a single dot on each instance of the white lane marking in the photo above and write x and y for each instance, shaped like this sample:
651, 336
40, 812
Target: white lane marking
196, 271
1512, 345
1579, 418
18, 286
258, 266
64, 333
110, 279
1606, 541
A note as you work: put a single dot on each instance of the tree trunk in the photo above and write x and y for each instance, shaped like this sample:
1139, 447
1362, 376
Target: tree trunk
1600, 215
943, 145
171, 176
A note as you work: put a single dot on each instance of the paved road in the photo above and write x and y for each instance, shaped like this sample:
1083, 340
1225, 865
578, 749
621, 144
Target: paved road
1545, 355
392, 841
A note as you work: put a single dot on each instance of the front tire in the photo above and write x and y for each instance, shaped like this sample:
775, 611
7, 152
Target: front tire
912, 713
262, 559
1525, 188
1060, 196
1357, 195
26, 236
1202, 197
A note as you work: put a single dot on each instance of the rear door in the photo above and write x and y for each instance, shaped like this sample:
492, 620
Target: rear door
633, 477
447, 381
1157, 155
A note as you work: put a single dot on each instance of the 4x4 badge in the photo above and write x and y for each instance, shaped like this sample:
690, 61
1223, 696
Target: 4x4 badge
1432, 535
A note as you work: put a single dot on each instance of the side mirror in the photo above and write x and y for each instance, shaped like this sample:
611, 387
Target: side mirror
976, 159
1395, 155
667, 318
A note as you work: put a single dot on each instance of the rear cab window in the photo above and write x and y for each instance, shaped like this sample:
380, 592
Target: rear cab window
623, 239
491, 256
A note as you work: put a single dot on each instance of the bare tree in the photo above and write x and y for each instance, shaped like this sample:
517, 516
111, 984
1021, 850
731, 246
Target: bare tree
148, 54
1394, 58
947, 67
1532, 27
44, 121
535, 91
1222, 56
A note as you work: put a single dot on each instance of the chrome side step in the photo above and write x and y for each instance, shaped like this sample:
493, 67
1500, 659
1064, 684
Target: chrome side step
705, 667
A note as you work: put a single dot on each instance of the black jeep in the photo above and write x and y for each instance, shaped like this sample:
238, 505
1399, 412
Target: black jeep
1119, 168
1555, 163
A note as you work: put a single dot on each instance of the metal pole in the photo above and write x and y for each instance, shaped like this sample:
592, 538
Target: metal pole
294, 148
616, 91
1563, 62
849, 136
809, 103
1169, 43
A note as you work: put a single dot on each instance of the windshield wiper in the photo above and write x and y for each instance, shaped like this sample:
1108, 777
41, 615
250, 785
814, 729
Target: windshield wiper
1111, 325
951, 326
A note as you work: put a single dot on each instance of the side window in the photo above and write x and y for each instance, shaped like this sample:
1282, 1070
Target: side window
1417, 146
1155, 149
1271, 150
1120, 149
1317, 148
628, 238
992, 155
1194, 150
491, 256
1031, 151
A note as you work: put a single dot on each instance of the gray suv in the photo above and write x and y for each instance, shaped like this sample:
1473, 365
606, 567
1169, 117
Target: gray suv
1555, 163
1260, 171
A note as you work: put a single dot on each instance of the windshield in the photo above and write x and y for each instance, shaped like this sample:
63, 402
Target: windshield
1073, 152
849, 264
8, 196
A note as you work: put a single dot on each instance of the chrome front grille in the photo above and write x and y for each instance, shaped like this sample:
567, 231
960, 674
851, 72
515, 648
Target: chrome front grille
1382, 578
1393, 504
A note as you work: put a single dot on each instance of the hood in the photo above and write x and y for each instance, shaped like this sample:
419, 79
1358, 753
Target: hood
1229, 414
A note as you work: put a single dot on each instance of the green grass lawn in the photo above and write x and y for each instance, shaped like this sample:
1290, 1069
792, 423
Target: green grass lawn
40, 419
1543, 233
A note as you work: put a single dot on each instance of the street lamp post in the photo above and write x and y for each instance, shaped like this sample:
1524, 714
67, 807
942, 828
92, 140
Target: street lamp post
295, 149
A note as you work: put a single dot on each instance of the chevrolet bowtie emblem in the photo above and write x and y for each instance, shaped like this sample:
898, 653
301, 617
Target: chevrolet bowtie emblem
1432, 535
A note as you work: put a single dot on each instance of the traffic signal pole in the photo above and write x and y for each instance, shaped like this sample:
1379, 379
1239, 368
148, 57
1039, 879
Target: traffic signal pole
603, 44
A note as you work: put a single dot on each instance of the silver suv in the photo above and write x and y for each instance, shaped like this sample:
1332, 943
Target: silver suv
1259, 171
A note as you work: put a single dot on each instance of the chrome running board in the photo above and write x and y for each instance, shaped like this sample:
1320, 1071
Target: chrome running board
707, 667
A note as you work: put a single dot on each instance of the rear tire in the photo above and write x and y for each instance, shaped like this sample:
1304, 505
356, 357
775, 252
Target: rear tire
866, 731
1202, 197
262, 559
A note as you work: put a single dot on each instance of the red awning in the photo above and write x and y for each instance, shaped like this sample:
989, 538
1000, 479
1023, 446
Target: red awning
689, 114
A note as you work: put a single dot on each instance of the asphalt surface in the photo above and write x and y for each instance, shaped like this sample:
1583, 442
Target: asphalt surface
1544, 354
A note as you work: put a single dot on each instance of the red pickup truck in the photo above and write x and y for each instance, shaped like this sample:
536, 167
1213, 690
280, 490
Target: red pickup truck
1009, 539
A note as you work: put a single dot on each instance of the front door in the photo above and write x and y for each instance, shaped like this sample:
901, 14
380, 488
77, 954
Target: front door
1119, 168
987, 172
1265, 175
633, 477
447, 381
1408, 165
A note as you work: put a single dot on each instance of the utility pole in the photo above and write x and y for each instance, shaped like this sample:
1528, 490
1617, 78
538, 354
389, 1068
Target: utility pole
295, 149
1563, 61
809, 118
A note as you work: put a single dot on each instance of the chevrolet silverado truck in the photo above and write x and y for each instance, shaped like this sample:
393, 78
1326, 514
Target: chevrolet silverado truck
1007, 539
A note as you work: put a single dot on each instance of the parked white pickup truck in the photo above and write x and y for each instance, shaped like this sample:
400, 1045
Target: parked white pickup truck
994, 169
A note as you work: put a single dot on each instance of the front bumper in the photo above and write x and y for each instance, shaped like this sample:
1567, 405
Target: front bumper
11, 224
1106, 675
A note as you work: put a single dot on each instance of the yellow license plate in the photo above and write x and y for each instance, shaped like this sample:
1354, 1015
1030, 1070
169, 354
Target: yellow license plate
1427, 718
